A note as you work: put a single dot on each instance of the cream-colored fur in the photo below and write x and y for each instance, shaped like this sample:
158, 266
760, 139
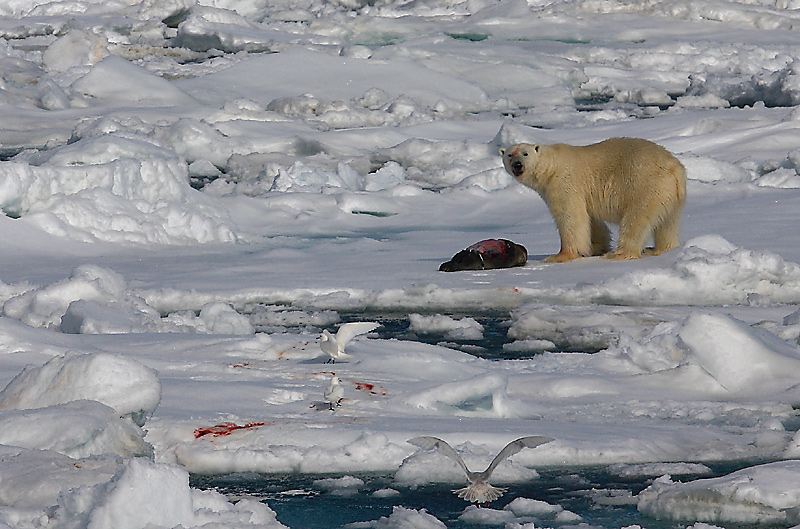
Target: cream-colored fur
631, 182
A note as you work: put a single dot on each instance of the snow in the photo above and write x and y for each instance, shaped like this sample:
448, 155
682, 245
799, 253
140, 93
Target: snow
192, 190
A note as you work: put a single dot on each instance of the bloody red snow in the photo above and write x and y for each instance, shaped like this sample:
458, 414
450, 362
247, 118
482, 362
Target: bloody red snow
370, 388
225, 428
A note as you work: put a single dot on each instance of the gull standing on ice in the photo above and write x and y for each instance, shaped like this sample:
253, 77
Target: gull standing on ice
479, 490
335, 393
333, 346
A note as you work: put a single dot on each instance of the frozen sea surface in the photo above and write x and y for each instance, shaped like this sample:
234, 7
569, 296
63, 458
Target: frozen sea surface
193, 190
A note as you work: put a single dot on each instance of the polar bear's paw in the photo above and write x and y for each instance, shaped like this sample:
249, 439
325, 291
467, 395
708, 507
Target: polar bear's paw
562, 257
622, 255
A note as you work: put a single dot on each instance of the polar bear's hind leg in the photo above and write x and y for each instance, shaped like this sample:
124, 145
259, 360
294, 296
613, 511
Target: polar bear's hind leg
665, 235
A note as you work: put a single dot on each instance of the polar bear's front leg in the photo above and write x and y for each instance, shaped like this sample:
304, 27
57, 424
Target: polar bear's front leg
574, 229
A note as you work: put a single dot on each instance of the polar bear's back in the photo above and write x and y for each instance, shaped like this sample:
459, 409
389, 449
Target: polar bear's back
618, 158
619, 171
615, 175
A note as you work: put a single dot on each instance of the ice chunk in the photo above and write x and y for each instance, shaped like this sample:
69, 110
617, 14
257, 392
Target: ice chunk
76, 48
92, 317
709, 270
473, 515
528, 507
301, 177
740, 358
658, 469
44, 307
483, 395
81, 428
114, 80
529, 345
132, 494
390, 175
214, 28
111, 187
453, 329
575, 328
762, 494
402, 517
128, 387
140, 493
35, 478
344, 483
657, 351
221, 318
93, 300
781, 178
711, 243
706, 169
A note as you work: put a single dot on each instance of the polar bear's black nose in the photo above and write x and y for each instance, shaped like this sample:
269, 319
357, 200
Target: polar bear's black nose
517, 167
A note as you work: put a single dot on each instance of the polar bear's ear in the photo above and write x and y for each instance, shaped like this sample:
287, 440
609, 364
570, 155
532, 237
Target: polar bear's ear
502, 151
535, 148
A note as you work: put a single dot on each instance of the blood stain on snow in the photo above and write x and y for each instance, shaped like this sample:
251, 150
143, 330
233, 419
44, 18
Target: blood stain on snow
372, 389
282, 354
226, 428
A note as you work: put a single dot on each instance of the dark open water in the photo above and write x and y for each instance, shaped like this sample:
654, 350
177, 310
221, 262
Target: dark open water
397, 326
490, 346
302, 503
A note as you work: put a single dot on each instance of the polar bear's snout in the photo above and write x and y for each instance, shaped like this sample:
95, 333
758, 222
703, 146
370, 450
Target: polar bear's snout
517, 168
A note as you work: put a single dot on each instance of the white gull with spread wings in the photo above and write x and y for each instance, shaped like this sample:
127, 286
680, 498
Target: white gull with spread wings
334, 346
479, 490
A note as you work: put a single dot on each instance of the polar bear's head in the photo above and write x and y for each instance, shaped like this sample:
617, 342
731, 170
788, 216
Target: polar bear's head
520, 158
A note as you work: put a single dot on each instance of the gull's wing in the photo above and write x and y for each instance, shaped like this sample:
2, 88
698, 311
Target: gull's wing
427, 443
349, 330
512, 448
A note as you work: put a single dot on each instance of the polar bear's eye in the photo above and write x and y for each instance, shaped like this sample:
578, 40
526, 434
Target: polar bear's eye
524, 154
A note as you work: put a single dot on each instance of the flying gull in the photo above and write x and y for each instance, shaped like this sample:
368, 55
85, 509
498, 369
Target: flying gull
479, 490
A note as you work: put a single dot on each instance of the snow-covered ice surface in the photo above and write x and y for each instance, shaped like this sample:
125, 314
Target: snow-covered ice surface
192, 190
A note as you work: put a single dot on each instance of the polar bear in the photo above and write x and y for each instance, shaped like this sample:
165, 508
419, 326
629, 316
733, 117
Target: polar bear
629, 181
